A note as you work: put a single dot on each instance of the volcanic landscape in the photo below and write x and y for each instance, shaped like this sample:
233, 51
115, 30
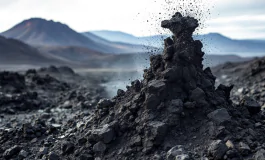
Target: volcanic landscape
178, 109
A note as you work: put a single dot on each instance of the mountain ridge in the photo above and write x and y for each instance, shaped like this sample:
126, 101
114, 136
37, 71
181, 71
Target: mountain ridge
216, 43
53, 29
42, 32
16, 52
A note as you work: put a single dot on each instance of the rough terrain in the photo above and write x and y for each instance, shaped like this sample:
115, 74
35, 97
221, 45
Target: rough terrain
247, 77
35, 104
174, 113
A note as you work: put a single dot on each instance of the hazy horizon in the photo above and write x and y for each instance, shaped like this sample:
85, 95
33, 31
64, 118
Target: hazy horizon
234, 19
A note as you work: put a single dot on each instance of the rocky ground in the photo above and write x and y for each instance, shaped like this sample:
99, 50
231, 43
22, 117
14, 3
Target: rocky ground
35, 104
247, 77
176, 112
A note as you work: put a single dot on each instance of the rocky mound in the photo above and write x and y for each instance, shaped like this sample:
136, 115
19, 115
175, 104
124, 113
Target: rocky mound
29, 91
11, 82
45, 88
168, 108
247, 78
175, 112
243, 71
65, 70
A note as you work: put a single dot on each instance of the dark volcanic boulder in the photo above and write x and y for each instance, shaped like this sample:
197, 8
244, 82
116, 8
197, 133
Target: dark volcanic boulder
217, 149
12, 82
219, 116
11, 152
252, 105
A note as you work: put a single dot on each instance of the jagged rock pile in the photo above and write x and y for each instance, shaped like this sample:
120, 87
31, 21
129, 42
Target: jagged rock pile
168, 108
174, 113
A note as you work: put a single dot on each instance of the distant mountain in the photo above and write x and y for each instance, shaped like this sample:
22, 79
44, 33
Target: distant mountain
57, 43
40, 32
214, 43
18, 55
125, 47
71, 53
37, 31
141, 61
218, 43
16, 52
117, 36
86, 58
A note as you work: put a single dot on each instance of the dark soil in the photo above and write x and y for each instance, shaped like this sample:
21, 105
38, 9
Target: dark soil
176, 112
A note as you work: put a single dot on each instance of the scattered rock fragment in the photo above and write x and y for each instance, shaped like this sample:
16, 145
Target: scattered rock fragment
13, 151
175, 106
86, 157
260, 154
197, 94
158, 131
217, 149
106, 133
252, 105
53, 156
230, 144
99, 147
219, 116
177, 153
67, 147
23, 154
43, 151
103, 103
244, 148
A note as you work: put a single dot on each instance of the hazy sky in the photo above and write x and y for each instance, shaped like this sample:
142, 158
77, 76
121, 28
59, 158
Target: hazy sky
240, 19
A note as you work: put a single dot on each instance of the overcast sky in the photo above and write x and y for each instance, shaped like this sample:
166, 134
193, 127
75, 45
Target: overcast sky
239, 19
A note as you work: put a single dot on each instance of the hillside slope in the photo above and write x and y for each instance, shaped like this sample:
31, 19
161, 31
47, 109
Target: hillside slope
16, 52
41, 32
